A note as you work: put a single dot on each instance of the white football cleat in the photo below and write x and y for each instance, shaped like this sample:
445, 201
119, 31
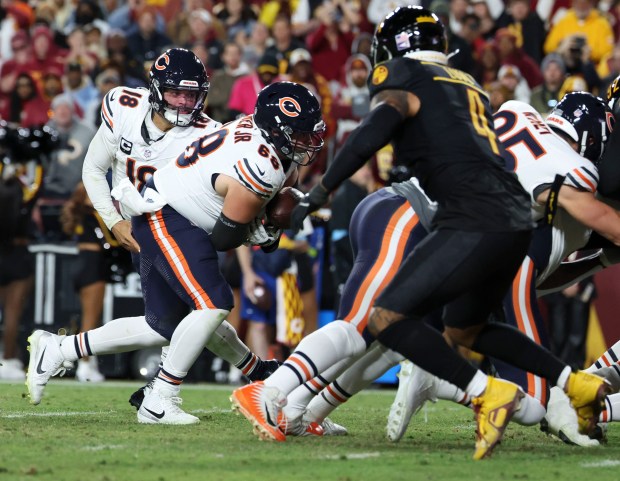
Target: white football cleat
45, 361
415, 387
12, 370
161, 406
88, 371
330, 428
562, 420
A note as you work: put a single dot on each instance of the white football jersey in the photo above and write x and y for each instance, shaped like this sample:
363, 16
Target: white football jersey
237, 150
538, 155
129, 143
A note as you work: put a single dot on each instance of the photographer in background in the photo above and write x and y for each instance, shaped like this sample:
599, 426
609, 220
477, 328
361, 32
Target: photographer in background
575, 52
21, 174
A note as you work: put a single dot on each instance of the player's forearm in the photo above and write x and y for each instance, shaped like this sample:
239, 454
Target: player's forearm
94, 171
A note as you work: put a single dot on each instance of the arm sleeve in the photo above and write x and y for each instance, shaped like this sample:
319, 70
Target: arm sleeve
96, 164
362, 143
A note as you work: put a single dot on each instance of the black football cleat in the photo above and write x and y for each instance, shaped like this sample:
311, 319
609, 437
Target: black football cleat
263, 370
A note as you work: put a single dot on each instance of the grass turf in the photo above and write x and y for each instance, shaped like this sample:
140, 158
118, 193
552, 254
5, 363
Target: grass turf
90, 433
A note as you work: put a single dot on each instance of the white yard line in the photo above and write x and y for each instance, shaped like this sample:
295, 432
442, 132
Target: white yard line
603, 463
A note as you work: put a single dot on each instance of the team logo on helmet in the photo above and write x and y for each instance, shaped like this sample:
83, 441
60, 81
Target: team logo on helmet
289, 106
611, 121
379, 75
162, 62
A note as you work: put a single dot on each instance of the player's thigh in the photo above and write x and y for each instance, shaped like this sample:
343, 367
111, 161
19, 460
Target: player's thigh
472, 268
185, 257
384, 230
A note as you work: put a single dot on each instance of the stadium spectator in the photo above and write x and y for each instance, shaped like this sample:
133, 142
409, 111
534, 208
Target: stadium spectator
486, 68
89, 12
51, 84
463, 57
284, 42
458, 9
201, 28
378, 9
576, 55
330, 44
527, 26
119, 55
245, 89
9, 69
178, 26
66, 160
352, 101
125, 17
26, 106
584, 19
222, 82
80, 87
45, 53
510, 77
237, 16
79, 52
256, 45
487, 27
147, 42
510, 54
545, 97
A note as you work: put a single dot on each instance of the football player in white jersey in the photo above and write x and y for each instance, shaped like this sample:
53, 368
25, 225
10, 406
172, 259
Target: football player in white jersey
215, 193
142, 131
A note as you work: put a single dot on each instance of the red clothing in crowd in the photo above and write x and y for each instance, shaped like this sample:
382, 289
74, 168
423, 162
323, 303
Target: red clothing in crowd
326, 60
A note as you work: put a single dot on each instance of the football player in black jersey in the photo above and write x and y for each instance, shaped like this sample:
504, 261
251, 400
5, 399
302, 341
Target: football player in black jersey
440, 124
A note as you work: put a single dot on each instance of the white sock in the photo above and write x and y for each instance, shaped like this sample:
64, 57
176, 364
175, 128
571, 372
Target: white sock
449, 392
119, 335
323, 348
612, 409
563, 379
164, 354
189, 339
531, 411
610, 358
361, 373
225, 343
477, 385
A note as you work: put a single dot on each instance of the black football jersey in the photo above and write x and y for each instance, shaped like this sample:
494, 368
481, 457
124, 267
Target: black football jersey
451, 147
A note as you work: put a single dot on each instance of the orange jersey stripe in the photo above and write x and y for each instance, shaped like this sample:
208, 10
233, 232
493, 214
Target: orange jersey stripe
191, 286
250, 181
585, 179
106, 114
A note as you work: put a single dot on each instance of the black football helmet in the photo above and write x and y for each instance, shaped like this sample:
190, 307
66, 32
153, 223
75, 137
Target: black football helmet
177, 69
586, 119
408, 29
289, 116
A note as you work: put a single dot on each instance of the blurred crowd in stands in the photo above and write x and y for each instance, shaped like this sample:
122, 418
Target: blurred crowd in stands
58, 58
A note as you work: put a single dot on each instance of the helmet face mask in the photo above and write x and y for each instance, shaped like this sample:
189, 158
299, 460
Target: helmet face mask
178, 70
289, 116
585, 119
405, 30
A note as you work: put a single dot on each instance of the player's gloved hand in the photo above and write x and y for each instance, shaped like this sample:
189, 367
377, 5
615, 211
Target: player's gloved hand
313, 200
262, 235
609, 256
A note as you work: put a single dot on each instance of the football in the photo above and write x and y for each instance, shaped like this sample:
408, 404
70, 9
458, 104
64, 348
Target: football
279, 208
263, 298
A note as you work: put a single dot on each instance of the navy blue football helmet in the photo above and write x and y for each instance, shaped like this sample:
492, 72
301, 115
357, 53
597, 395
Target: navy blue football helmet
586, 119
408, 29
289, 116
178, 69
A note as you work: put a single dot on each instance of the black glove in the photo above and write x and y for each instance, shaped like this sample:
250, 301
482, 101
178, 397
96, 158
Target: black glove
313, 200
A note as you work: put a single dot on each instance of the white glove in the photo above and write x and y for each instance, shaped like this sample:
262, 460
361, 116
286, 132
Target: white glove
261, 235
609, 256
133, 203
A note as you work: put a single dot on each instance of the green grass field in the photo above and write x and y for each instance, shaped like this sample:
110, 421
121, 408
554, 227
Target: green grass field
90, 433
